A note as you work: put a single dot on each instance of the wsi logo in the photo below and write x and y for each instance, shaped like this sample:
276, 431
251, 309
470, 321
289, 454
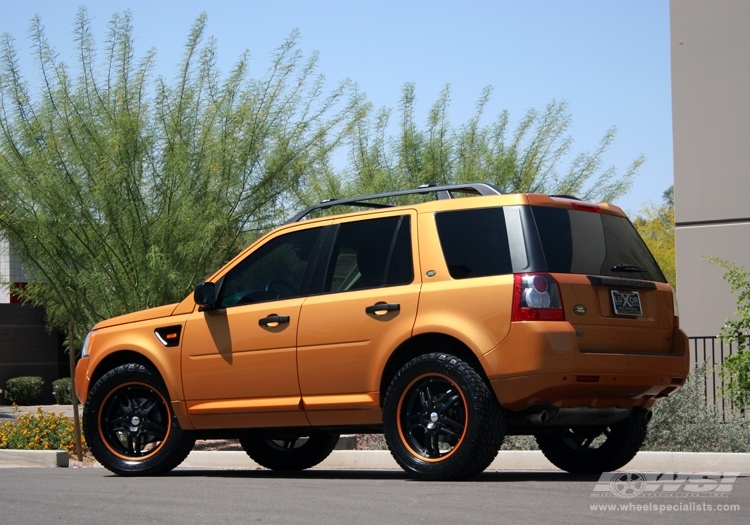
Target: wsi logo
661, 484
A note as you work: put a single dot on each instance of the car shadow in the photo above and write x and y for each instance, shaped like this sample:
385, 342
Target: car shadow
343, 474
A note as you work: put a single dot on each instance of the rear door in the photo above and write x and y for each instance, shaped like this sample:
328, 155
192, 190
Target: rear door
364, 308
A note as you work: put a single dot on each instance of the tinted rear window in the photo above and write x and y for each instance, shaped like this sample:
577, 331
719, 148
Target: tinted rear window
370, 254
593, 243
474, 242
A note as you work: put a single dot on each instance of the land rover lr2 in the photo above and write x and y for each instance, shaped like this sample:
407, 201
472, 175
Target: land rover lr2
445, 324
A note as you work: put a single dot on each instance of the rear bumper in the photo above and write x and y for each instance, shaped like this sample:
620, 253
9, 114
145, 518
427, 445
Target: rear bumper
539, 363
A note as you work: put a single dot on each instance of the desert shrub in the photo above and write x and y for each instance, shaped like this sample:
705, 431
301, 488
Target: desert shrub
519, 443
61, 389
24, 390
39, 431
371, 442
685, 422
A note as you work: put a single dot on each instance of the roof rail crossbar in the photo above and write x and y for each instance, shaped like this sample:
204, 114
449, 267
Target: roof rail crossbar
441, 192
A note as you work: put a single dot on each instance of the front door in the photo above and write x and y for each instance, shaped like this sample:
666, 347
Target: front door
239, 362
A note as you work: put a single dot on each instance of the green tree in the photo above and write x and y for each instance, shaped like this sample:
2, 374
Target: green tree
121, 190
525, 160
736, 368
655, 224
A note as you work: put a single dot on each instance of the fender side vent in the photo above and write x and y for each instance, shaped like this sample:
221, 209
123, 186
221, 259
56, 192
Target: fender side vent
169, 335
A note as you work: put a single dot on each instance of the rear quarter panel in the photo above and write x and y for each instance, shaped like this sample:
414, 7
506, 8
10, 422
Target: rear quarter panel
475, 311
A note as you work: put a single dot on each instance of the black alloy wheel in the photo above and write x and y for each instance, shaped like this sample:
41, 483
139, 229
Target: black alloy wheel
134, 421
432, 417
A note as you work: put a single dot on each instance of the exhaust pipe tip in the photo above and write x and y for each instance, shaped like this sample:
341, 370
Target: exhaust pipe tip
539, 418
645, 413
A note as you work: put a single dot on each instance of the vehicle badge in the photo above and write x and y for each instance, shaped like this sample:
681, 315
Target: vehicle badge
579, 309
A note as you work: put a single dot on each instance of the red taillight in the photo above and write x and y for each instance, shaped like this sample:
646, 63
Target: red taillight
536, 297
540, 284
586, 206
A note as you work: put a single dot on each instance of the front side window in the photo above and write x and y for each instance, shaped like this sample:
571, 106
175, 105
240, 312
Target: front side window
371, 254
276, 270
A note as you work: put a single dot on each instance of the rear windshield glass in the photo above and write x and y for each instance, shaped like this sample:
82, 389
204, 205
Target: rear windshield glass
593, 243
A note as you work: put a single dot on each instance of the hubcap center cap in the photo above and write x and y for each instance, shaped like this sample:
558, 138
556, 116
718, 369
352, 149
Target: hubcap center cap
434, 417
135, 421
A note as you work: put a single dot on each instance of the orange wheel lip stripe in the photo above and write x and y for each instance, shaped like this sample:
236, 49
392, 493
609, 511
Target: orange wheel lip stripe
161, 444
401, 432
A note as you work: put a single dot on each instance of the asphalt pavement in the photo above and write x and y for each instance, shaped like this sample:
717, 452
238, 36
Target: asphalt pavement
336, 497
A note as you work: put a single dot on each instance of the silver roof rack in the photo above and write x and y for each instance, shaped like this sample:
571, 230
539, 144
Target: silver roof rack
441, 192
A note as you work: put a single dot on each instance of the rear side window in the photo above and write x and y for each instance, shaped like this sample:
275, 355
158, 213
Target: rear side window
584, 242
474, 242
371, 254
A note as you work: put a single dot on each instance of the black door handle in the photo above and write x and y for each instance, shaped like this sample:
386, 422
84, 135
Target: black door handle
273, 318
382, 307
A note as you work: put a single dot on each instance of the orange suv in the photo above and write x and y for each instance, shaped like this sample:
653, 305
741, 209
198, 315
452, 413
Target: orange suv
446, 325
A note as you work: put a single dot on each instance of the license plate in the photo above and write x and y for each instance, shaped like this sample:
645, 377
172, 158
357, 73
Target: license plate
626, 302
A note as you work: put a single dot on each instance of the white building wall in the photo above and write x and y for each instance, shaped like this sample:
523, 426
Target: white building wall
10, 269
711, 129
4, 271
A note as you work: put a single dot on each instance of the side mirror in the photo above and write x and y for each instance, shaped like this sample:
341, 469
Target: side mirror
205, 295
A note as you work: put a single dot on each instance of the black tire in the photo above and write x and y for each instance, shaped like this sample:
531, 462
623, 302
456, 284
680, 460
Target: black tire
593, 450
130, 426
442, 422
290, 452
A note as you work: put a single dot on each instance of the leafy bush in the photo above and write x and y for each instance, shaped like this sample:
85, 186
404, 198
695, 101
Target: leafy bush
24, 390
39, 431
736, 371
61, 389
685, 422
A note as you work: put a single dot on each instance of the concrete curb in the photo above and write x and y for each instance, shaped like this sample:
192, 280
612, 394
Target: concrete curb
33, 458
507, 460
690, 462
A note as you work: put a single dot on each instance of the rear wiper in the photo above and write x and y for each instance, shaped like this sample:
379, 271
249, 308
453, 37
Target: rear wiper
627, 268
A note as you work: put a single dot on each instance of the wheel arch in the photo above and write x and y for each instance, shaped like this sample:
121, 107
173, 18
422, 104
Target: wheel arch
122, 357
425, 344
